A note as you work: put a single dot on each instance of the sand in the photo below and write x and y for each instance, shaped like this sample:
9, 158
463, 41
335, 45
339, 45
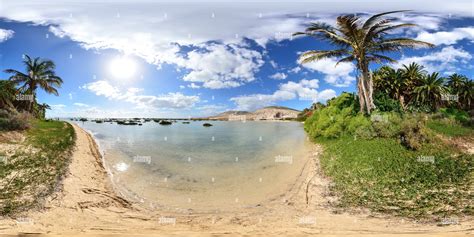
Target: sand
87, 205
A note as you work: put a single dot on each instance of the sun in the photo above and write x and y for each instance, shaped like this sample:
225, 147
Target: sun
122, 67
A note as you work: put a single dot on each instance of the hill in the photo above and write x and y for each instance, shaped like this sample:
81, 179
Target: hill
266, 113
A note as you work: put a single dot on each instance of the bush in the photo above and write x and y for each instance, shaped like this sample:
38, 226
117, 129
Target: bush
360, 126
413, 131
459, 115
331, 121
384, 103
14, 121
386, 124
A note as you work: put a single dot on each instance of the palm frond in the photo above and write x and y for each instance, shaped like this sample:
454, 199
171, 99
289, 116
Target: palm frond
369, 22
314, 55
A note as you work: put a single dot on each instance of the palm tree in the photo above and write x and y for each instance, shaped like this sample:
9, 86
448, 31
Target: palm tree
42, 110
361, 43
392, 83
457, 85
412, 75
7, 94
466, 94
430, 90
456, 81
39, 73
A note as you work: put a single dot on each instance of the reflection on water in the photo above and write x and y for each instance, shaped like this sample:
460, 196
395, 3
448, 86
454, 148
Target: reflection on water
188, 166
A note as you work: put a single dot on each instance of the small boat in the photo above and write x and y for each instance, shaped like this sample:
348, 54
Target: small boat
164, 122
207, 125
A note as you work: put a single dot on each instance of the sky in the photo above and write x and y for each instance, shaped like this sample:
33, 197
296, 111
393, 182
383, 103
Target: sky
190, 58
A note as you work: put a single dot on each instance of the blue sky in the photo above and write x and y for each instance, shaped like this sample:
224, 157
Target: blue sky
132, 59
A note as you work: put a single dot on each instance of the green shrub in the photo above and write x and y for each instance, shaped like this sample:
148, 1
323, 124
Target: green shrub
360, 126
459, 115
386, 124
14, 121
413, 131
331, 121
384, 103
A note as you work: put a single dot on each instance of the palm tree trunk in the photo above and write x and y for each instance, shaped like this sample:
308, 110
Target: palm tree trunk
365, 93
360, 93
367, 87
401, 98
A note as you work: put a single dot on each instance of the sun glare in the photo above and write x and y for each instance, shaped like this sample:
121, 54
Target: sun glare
122, 68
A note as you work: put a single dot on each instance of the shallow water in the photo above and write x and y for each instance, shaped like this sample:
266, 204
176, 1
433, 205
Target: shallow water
188, 166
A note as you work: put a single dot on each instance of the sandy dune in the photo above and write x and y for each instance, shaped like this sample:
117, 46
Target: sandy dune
88, 205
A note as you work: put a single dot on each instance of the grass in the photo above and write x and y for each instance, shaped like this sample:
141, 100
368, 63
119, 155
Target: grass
384, 176
32, 174
449, 129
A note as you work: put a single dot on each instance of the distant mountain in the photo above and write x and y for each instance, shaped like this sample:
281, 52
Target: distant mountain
266, 113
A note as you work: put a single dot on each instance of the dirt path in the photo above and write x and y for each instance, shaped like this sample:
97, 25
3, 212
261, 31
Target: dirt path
87, 205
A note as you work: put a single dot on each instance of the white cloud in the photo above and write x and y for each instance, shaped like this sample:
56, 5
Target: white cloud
194, 86
58, 106
207, 110
70, 96
170, 100
221, 66
447, 37
81, 105
304, 90
273, 63
159, 31
327, 94
295, 70
279, 76
335, 75
448, 59
6, 34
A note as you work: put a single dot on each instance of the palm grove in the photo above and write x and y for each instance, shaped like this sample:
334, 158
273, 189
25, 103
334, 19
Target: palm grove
367, 42
399, 145
18, 99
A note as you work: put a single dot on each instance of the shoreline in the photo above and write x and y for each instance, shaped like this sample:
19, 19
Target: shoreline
88, 205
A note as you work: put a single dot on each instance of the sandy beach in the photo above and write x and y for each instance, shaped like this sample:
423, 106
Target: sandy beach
86, 205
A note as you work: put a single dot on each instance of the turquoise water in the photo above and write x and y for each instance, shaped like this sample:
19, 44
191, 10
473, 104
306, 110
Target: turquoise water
188, 166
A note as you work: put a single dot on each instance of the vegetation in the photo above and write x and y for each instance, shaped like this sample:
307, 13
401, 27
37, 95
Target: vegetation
416, 90
36, 165
39, 74
14, 121
361, 43
384, 176
379, 161
33, 171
